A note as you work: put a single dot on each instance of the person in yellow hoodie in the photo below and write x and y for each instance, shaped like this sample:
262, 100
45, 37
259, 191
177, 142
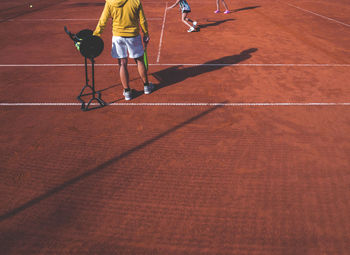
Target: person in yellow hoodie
128, 16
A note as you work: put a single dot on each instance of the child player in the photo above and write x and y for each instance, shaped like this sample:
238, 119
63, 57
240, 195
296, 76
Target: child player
218, 6
185, 10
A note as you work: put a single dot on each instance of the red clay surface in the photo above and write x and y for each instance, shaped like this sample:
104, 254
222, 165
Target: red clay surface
179, 179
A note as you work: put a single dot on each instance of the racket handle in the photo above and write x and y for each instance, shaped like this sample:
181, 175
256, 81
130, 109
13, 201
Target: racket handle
145, 59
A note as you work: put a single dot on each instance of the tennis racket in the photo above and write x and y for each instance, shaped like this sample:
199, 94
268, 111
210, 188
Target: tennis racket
71, 35
145, 58
74, 37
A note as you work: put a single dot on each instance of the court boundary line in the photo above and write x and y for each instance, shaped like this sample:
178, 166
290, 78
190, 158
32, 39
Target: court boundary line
162, 32
322, 16
179, 64
184, 104
35, 20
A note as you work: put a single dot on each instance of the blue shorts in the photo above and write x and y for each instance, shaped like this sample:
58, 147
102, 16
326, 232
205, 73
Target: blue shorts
184, 6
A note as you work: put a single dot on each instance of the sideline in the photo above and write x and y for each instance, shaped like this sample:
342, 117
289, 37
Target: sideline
334, 20
161, 34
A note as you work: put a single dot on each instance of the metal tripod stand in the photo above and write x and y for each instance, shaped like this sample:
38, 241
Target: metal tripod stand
95, 95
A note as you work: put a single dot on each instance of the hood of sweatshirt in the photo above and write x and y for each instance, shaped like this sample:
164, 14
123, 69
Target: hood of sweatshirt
117, 3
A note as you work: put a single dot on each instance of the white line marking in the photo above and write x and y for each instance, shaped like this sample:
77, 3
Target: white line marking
29, 20
320, 15
161, 34
22, 20
258, 65
268, 65
181, 104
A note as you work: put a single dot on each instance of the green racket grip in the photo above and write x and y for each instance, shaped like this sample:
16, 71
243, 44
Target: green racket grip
145, 58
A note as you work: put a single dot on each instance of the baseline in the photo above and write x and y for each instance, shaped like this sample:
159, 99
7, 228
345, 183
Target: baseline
178, 64
183, 104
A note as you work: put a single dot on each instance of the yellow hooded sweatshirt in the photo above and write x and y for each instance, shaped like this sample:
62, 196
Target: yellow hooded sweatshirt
127, 17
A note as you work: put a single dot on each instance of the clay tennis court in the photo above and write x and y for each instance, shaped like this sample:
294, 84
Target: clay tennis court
244, 147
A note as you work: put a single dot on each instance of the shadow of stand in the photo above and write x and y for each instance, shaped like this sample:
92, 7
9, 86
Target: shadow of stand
176, 74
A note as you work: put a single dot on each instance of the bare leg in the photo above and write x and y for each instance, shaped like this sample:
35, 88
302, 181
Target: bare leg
123, 72
184, 18
188, 19
217, 5
142, 69
194, 23
225, 5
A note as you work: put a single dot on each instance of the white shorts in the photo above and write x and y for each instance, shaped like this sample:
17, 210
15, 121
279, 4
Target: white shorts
121, 46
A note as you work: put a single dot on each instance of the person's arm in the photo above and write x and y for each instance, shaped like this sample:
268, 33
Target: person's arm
144, 25
176, 3
103, 20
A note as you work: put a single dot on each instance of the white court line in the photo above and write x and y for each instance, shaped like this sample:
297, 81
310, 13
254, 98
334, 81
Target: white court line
29, 20
249, 65
161, 34
22, 20
181, 104
320, 15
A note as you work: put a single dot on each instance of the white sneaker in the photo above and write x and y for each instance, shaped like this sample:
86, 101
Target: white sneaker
194, 23
127, 94
191, 30
148, 89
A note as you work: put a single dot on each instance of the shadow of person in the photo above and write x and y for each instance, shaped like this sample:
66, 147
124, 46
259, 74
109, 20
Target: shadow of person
176, 74
213, 23
246, 8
